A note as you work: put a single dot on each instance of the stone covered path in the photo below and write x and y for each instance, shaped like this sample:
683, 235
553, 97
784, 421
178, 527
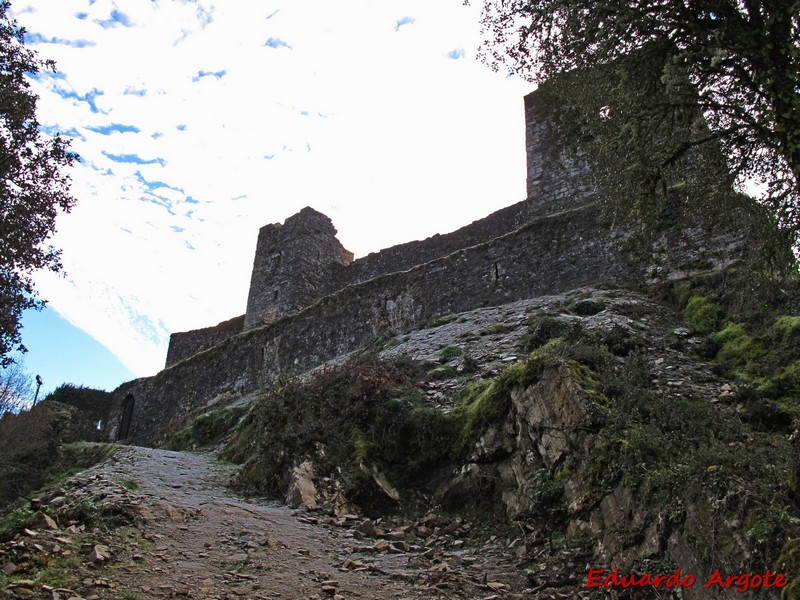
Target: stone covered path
196, 540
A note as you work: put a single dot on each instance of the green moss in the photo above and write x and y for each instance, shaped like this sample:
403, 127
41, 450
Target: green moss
702, 314
496, 329
789, 565
361, 446
439, 321
485, 403
737, 349
787, 325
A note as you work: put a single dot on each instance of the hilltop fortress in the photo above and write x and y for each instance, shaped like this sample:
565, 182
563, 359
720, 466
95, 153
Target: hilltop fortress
310, 301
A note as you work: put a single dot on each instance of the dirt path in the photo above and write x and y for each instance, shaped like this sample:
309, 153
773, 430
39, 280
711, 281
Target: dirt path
199, 541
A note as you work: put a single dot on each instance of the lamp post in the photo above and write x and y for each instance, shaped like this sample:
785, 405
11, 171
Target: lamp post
38, 385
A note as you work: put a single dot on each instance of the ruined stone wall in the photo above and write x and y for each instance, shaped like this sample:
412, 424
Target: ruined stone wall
301, 261
185, 344
288, 276
548, 255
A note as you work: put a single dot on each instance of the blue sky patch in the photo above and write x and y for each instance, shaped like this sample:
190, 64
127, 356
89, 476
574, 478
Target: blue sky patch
47, 74
277, 43
215, 74
38, 38
81, 15
404, 21
114, 128
158, 201
134, 158
181, 127
134, 92
53, 130
152, 185
456, 54
88, 97
177, 229
117, 18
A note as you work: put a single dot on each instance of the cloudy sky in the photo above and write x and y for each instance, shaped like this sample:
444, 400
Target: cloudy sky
198, 121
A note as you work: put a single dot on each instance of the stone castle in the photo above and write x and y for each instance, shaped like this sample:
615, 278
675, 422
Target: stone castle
310, 301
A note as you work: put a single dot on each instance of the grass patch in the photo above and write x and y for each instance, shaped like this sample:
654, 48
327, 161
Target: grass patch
205, 430
129, 484
497, 329
439, 321
15, 521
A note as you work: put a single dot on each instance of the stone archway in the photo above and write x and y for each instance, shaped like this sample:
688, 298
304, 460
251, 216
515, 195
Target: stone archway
127, 417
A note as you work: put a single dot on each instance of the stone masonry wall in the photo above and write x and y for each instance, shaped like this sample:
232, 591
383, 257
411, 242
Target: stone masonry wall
185, 344
558, 178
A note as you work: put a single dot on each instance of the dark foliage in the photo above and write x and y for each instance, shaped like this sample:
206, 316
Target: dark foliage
33, 186
726, 73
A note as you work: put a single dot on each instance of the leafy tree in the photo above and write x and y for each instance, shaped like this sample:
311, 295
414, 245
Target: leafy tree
33, 186
732, 65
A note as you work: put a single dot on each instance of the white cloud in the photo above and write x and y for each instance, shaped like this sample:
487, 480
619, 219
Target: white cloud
198, 122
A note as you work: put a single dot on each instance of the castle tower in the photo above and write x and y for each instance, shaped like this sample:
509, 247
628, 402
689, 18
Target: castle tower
558, 178
293, 266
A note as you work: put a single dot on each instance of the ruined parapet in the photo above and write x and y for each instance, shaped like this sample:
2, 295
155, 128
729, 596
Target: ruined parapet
558, 177
293, 266
184, 344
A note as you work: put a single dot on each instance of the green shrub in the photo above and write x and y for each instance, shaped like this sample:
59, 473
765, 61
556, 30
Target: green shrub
588, 307
737, 349
443, 372
448, 353
543, 329
366, 411
15, 521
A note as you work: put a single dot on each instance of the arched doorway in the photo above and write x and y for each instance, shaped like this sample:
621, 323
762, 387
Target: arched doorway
127, 416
